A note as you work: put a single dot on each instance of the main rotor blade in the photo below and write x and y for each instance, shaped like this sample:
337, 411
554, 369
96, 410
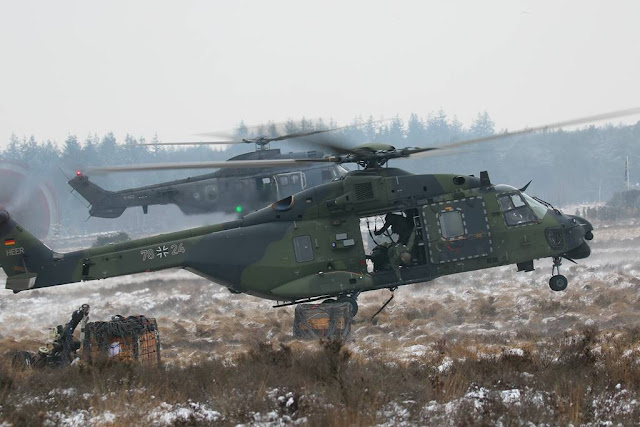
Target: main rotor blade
249, 140
196, 143
302, 134
333, 144
573, 122
250, 130
211, 165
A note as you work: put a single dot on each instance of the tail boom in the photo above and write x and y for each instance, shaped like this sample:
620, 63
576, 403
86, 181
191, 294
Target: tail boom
30, 264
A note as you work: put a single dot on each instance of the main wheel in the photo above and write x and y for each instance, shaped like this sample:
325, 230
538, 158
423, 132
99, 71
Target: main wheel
558, 283
352, 301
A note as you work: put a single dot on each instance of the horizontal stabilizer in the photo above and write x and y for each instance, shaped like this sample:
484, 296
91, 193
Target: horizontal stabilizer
21, 282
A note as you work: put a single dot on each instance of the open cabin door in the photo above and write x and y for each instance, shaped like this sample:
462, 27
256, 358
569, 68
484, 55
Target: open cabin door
290, 183
457, 230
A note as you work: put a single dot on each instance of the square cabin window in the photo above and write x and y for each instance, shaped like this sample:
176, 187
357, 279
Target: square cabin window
302, 248
451, 224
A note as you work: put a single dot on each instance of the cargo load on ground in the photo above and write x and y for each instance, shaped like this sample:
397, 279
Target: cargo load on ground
316, 321
123, 339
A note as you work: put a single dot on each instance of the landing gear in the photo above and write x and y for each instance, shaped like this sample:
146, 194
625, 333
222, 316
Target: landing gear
351, 300
557, 282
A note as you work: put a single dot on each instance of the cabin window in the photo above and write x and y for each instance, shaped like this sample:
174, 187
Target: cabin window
303, 249
283, 180
515, 209
451, 224
211, 192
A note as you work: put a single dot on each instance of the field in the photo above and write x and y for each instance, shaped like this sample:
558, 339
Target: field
482, 348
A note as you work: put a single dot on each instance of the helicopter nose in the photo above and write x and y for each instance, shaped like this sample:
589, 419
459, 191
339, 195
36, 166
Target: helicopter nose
586, 226
577, 231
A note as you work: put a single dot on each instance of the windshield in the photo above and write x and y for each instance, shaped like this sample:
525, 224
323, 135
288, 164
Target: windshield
538, 208
515, 209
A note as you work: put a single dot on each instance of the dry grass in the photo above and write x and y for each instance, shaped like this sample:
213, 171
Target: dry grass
330, 385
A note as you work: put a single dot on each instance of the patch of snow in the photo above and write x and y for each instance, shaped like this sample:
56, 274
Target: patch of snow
416, 350
515, 352
445, 366
77, 419
68, 392
394, 414
510, 397
167, 415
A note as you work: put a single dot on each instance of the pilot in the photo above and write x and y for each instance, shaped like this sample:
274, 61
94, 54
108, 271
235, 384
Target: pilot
400, 225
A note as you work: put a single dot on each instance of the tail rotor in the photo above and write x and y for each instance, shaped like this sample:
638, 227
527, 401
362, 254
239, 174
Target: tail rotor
28, 198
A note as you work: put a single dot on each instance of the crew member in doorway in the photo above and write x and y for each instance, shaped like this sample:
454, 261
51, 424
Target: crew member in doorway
400, 225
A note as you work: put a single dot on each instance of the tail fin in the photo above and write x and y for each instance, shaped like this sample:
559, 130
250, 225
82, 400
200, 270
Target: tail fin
96, 196
20, 254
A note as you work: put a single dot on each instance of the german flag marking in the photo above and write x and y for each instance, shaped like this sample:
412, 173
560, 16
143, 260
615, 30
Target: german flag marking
9, 242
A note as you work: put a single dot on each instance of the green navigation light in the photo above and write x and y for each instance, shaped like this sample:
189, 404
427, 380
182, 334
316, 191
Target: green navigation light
239, 209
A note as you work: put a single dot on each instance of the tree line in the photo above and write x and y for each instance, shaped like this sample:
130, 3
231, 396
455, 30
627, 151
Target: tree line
574, 166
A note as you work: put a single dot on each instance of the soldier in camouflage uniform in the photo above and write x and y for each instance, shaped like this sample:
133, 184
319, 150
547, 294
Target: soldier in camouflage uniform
400, 254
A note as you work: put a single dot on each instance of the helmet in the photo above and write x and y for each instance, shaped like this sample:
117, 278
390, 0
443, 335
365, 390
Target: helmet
405, 258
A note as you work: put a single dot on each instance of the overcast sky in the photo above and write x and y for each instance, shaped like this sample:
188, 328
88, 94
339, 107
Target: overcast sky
183, 67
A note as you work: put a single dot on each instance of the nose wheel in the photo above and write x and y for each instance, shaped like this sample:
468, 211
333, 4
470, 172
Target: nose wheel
557, 282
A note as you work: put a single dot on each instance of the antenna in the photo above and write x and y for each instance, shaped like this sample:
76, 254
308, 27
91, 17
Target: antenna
626, 173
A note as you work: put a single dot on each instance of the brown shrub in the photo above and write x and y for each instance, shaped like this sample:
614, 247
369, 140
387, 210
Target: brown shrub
485, 306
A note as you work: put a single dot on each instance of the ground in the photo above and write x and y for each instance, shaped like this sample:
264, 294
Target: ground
488, 347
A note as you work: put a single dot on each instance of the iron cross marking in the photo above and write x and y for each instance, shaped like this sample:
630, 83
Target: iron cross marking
162, 251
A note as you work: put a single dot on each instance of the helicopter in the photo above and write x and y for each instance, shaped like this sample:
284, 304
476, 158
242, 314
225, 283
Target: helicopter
242, 188
310, 246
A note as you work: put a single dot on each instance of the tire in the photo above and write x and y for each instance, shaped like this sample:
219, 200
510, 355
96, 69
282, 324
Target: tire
558, 283
352, 301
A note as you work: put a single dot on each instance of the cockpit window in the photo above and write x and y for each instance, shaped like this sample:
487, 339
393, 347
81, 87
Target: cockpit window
538, 208
510, 201
516, 211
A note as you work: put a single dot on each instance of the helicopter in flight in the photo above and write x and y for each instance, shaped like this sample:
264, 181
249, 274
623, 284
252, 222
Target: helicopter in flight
243, 187
311, 246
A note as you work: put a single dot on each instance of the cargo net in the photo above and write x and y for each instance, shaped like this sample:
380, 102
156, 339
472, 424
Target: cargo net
316, 321
123, 339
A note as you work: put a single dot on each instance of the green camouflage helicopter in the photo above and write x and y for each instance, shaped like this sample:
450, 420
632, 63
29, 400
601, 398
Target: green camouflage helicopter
310, 246
229, 189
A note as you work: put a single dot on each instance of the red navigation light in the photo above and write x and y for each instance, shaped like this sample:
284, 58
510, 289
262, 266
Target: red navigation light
78, 173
